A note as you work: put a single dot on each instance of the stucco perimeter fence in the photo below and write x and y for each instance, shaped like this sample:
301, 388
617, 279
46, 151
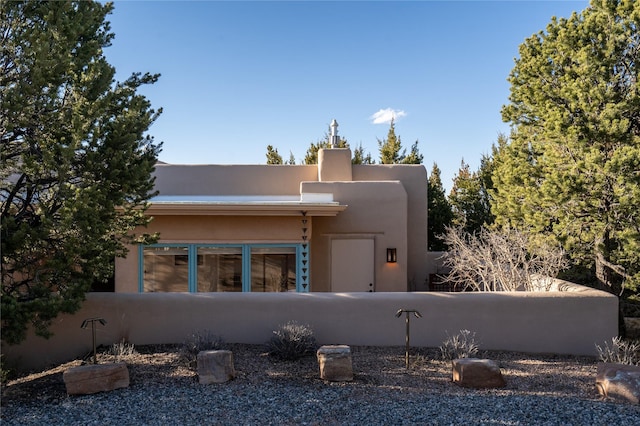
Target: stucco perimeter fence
563, 322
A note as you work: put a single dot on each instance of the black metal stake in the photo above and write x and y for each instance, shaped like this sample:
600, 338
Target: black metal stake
407, 338
93, 333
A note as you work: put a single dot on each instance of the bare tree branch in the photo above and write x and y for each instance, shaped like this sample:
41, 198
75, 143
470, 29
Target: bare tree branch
500, 261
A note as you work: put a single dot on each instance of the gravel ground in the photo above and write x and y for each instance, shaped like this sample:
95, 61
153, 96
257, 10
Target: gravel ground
541, 390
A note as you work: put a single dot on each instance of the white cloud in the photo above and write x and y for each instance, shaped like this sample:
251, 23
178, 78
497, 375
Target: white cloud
386, 115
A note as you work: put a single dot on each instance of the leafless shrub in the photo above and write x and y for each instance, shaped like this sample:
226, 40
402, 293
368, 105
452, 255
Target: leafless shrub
195, 343
292, 341
505, 260
121, 350
461, 345
620, 352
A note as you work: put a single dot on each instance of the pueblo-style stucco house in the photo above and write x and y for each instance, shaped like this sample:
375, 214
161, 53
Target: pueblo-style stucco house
330, 227
322, 236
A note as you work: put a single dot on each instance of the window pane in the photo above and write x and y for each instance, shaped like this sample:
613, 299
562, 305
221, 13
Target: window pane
273, 269
219, 269
166, 269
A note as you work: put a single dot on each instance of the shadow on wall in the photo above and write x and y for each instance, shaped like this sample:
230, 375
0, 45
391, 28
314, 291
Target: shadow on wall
568, 322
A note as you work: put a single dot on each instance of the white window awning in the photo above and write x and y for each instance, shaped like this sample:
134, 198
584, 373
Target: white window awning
245, 205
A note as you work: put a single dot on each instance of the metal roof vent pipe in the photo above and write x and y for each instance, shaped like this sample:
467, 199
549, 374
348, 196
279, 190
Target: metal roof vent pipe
335, 140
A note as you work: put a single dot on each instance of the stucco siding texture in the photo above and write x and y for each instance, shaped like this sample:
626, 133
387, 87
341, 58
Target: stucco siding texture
375, 210
568, 322
414, 180
172, 179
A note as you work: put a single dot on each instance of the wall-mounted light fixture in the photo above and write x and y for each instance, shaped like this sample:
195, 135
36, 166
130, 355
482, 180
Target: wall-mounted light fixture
392, 255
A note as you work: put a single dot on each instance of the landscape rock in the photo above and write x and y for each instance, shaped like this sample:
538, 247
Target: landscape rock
477, 373
335, 363
620, 382
215, 367
94, 378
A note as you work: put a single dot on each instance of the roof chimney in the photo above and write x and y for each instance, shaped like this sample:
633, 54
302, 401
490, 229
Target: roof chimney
334, 134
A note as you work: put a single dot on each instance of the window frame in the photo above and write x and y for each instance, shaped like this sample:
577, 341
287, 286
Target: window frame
302, 262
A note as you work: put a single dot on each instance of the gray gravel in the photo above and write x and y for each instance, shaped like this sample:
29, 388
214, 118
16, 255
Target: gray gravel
315, 403
540, 391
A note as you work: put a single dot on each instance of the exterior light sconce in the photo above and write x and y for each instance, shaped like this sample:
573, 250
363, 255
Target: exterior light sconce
392, 255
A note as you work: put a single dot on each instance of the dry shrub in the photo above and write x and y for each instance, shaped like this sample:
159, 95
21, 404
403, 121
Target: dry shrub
197, 342
505, 260
620, 352
121, 350
461, 345
292, 341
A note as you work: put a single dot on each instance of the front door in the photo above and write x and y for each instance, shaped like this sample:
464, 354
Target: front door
352, 265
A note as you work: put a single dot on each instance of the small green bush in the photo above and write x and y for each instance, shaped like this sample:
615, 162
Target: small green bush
461, 345
197, 342
620, 352
292, 341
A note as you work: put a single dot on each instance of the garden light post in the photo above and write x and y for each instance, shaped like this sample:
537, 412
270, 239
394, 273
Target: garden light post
417, 315
93, 332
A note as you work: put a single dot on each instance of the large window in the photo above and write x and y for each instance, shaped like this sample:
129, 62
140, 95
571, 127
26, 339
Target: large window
273, 269
218, 268
166, 269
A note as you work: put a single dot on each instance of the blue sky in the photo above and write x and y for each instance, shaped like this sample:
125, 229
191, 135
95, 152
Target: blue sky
238, 76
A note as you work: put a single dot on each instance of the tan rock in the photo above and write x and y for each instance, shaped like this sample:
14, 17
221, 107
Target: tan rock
215, 367
93, 378
620, 382
335, 363
477, 373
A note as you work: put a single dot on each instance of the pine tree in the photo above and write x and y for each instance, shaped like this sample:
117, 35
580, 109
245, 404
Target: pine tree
469, 211
311, 156
440, 215
571, 169
485, 178
390, 147
391, 151
359, 157
414, 157
75, 163
272, 155
292, 159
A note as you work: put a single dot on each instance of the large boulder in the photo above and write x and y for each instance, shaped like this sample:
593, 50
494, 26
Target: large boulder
94, 378
215, 367
620, 382
477, 373
335, 363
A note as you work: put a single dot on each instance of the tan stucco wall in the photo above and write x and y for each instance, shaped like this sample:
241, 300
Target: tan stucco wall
414, 180
570, 322
211, 229
172, 179
220, 229
375, 210
334, 165
387, 203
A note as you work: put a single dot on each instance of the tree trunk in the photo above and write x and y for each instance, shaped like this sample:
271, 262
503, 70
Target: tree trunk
604, 275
